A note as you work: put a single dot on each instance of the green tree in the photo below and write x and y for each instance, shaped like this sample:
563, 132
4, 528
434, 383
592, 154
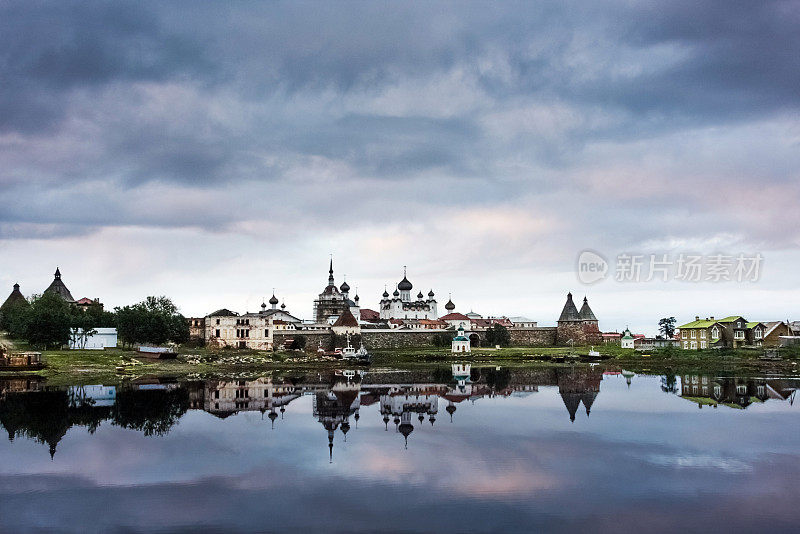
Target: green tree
298, 343
13, 318
155, 320
48, 321
498, 334
667, 327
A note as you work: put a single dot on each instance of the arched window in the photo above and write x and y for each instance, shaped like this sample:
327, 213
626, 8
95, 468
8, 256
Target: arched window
715, 333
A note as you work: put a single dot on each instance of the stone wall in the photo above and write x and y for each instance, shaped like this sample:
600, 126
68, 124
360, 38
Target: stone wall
398, 339
581, 333
313, 338
541, 336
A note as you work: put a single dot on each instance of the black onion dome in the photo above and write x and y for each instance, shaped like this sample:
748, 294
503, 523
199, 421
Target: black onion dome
345, 287
405, 285
273, 300
430, 293
385, 294
450, 306
420, 296
396, 293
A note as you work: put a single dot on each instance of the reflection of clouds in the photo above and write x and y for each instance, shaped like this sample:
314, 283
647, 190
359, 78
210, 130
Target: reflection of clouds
701, 461
506, 463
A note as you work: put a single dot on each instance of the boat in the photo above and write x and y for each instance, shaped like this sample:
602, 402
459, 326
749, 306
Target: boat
161, 353
350, 352
21, 361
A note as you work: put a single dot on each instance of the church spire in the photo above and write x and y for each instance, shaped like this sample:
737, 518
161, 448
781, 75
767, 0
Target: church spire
330, 273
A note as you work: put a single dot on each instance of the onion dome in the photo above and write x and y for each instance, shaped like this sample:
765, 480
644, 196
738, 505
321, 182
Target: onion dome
430, 293
396, 293
263, 305
345, 287
449, 306
273, 300
355, 298
420, 296
405, 285
406, 429
283, 306
421, 418
385, 293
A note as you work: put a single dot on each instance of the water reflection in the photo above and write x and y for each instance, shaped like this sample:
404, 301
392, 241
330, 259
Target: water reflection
31, 409
469, 450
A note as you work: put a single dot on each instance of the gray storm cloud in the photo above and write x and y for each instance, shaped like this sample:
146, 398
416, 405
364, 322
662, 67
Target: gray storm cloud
603, 125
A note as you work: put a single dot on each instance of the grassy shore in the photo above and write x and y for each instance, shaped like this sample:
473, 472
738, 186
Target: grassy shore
114, 365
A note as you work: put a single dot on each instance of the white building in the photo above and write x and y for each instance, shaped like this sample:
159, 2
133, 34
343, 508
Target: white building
627, 341
250, 330
461, 342
522, 322
400, 304
103, 338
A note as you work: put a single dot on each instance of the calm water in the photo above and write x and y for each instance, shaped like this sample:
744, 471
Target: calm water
556, 450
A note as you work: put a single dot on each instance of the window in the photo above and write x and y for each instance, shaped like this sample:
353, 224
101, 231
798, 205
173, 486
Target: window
266, 332
217, 321
741, 389
740, 324
757, 333
705, 390
739, 334
694, 345
715, 333
702, 344
217, 333
685, 344
702, 334
694, 334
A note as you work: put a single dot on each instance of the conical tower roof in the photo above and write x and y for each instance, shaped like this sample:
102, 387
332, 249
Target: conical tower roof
586, 313
570, 312
588, 399
15, 297
572, 401
58, 287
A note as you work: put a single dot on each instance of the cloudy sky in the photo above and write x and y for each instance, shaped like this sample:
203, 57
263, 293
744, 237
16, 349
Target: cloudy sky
213, 152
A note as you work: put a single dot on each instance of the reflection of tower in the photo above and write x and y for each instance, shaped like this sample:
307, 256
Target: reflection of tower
576, 386
451, 408
406, 428
334, 407
628, 376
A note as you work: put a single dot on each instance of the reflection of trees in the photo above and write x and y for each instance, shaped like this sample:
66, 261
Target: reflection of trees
46, 416
497, 379
151, 411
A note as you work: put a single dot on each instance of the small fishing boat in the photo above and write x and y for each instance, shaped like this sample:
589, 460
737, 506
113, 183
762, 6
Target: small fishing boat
161, 353
350, 352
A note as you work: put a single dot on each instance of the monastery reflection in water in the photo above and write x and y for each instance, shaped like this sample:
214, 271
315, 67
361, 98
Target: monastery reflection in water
31, 409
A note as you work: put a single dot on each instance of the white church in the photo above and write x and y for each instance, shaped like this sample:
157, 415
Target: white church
401, 306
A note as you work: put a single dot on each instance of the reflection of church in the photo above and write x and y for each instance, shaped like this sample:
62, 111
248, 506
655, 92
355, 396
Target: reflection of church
334, 407
402, 404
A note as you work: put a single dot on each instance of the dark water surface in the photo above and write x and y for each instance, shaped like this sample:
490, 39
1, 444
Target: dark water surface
404, 452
